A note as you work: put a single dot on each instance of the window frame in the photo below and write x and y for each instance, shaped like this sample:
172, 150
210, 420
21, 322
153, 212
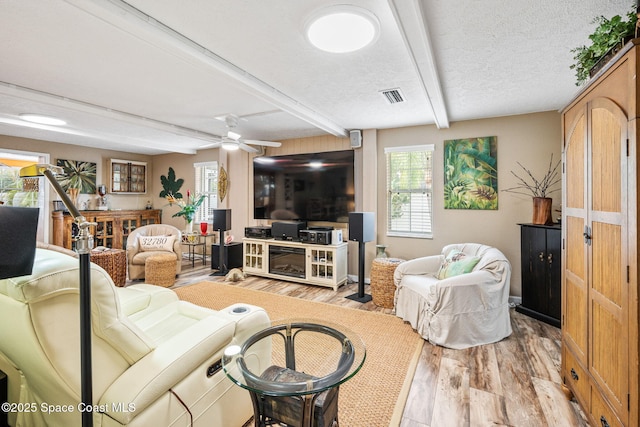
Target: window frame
211, 197
428, 207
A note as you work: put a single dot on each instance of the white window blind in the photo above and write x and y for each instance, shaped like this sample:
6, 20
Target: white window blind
207, 184
410, 190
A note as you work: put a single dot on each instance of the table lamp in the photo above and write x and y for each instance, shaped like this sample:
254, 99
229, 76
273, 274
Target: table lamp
222, 223
84, 244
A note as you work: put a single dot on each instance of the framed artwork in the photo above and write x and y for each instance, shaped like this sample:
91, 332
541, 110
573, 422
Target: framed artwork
471, 173
77, 174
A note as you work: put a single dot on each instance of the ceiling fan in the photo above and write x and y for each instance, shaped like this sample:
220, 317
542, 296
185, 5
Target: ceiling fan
233, 140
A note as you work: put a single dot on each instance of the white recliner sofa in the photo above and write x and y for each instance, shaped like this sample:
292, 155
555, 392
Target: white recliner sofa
462, 310
155, 358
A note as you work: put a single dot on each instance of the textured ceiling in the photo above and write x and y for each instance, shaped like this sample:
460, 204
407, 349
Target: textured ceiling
150, 76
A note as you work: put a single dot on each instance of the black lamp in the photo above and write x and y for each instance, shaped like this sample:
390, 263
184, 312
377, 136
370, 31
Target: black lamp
222, 223
361, 230
84, 244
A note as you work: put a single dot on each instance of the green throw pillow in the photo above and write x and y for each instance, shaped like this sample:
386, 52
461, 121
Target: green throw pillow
456, 263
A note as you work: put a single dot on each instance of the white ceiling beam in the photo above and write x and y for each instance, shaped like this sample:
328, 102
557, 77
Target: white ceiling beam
411, 21
33, 95
117, 13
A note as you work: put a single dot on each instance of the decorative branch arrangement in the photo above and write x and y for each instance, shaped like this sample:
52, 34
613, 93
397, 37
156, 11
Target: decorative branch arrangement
529, 185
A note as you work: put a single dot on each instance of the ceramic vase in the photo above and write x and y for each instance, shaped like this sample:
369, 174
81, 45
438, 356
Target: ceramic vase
381, 251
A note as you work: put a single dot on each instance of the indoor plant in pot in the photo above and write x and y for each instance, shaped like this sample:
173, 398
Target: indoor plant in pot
609, 36
188, 207
539, 189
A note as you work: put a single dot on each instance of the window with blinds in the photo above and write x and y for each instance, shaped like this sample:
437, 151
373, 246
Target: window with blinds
410, 190
207, 184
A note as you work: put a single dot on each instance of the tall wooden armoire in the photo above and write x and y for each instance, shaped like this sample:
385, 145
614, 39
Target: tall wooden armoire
600, 243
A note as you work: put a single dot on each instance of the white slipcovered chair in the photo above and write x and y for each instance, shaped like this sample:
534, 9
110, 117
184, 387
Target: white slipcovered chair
460, 311
155, 358
137, 255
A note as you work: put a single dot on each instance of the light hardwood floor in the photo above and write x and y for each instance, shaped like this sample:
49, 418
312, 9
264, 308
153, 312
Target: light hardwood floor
515, 382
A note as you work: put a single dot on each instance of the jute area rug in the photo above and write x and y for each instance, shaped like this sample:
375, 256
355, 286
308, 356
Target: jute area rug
376, 395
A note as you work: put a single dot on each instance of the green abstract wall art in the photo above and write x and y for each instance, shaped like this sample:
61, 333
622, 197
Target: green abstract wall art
471, 173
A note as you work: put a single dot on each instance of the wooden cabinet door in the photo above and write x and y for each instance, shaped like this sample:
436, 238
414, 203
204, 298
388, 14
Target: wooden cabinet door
541, 273
574, 221
608, 296
554, 272
535, 294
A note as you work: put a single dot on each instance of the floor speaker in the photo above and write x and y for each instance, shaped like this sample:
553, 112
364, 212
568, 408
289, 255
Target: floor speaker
362, 226
361, 230
222, 219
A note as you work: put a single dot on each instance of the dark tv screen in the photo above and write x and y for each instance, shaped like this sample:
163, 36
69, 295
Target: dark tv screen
311, 187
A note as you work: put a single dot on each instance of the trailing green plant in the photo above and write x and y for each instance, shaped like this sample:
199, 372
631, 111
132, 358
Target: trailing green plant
608, 34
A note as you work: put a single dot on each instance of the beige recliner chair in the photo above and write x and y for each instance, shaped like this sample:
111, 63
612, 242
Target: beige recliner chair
155, 358
452, 307
136, 255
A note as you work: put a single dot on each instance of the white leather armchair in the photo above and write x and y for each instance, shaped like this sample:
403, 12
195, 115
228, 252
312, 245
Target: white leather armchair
460, 311
154, 357
136, 257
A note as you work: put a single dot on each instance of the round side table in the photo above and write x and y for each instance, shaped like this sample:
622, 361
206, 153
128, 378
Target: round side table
382, 287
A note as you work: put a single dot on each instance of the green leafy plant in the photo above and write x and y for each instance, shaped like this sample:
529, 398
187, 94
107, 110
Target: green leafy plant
171, 186
608, 34
188, 207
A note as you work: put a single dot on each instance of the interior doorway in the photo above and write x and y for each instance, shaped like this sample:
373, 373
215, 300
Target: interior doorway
25, 192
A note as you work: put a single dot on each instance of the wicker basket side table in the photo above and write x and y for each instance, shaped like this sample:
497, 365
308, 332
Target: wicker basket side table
114, 262
160, 270
382, 287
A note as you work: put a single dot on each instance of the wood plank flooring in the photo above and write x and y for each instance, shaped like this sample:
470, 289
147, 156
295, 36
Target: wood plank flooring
515, 382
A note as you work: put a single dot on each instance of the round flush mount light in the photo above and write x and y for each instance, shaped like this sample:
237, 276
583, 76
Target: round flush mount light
342, 29
43, 120
230, 145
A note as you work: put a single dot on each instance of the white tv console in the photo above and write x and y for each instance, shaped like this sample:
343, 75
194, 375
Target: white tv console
314, 264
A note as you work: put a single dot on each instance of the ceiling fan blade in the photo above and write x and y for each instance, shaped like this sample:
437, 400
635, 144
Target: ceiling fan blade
248, 148
212, 145
264, 143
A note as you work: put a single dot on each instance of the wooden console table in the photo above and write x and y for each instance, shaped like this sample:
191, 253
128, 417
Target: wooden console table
112, 229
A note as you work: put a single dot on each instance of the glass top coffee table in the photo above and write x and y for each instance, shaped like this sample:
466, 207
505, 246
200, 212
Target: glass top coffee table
310, 358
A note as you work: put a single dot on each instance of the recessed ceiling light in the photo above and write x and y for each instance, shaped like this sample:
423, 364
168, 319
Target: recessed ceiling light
315, 164
342, 29
43, 120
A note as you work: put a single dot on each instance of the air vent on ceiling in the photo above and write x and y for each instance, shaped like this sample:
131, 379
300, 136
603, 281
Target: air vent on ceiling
393, 96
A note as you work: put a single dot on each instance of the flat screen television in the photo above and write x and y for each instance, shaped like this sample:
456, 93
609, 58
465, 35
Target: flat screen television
310, 187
